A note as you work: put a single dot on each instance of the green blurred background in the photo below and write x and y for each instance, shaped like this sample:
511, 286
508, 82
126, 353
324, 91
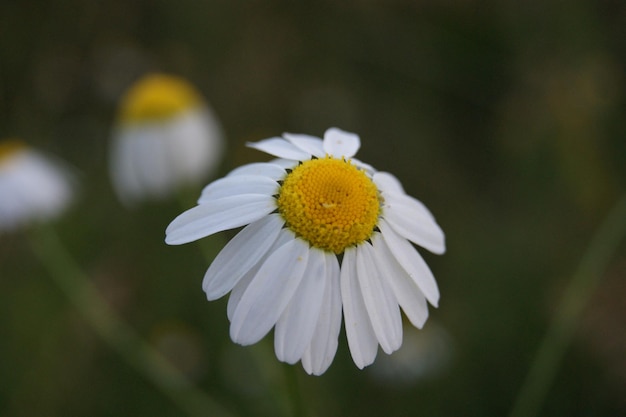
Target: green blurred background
507, 119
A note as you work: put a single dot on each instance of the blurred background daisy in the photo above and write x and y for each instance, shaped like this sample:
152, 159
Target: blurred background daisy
506, 119
165, 136
33, 187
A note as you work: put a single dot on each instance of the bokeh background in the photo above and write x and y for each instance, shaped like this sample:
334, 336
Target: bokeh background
507, 119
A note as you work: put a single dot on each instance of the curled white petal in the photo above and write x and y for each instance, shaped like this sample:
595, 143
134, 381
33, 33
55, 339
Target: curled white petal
412, 220
281, 148
411, 261
222, 214
269, 293
240, 255
339, 143
361, 337
406, 291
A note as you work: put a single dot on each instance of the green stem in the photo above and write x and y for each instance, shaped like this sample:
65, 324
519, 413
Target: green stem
287, 392
115, 331
554, 344
293, 388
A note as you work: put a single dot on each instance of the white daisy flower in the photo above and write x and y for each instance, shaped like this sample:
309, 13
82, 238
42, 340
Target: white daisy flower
165, 136
33, 187
322, 231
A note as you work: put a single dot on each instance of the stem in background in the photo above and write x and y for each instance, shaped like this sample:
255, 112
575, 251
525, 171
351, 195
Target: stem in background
115, 331
585, 280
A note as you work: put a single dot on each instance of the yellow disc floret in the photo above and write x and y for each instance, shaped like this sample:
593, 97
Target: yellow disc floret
157, 97
330, 203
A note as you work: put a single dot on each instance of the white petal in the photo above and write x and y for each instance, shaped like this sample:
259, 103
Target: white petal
151, 163
321, 352
285, 163
370, 170
339, 143
238, 184
297, 323
240, 255
239, 289
262, 169
33, 187
412, 220
269, 293
404, 288
223, 214
195, 144
380, 302
411, 262
121, 167
387, 182
361, 337
281, 148
310, 144
284, 236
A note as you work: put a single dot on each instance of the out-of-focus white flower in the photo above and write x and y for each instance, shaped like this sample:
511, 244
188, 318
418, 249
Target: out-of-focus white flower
33, 187
324, 232
165, 136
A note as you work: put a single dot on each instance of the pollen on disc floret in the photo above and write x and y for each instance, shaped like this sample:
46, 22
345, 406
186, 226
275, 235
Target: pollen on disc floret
330, 203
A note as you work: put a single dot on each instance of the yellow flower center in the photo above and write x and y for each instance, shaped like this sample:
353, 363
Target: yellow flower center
10, 147
330, 203
157, 97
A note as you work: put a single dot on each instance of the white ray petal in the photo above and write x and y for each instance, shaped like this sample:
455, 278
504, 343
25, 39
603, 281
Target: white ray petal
239, 289
411, 261
406, 291
269, 292
240, 255
284, 236
310, 144
151, 166
125, 182
412, 220
370, 170
236, 185
223, 214
321, 352
285, 163
297, 323
361, 337
387, 182
380, 302
263, 169
339, 143
281, 148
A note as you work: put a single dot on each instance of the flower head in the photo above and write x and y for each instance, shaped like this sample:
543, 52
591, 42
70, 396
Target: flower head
324, 232
33, 187
165, 136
